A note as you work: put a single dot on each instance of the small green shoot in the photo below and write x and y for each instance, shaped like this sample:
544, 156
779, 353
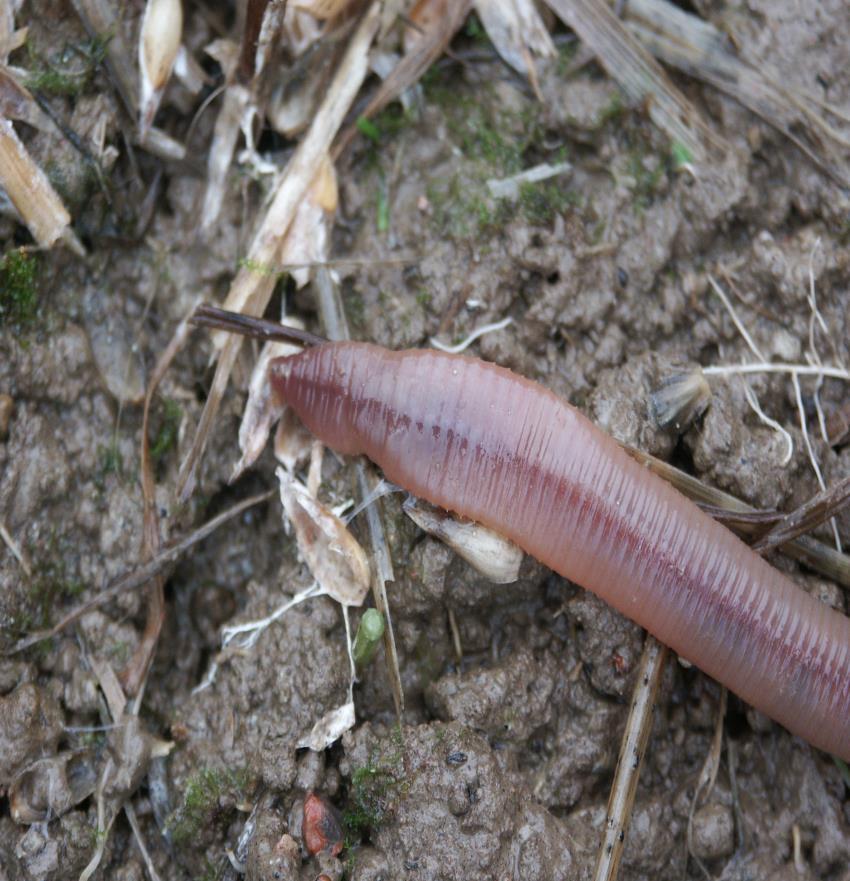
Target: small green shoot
368, 129
368, 638
680, 155
382, 213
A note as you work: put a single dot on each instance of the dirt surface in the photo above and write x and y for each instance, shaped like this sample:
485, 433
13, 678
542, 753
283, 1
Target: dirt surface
502, 763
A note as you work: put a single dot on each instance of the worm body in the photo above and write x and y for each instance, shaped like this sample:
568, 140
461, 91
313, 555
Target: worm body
485, 443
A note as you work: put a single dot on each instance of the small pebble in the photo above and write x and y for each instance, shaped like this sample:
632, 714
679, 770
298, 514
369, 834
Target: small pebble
714, 832
321, 830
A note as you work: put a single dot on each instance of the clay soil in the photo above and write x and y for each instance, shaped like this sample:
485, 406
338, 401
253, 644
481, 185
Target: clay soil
503, 760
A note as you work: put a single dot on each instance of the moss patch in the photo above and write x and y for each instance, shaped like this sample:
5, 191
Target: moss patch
52, 582
373, 789
495, 143
209, 794
68, 72
19, 287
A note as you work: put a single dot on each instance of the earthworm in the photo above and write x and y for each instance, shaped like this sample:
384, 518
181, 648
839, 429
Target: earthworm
487, 444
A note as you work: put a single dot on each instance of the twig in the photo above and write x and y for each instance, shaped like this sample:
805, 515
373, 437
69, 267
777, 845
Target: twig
632, 749
140, 576
455, 632
250, 290
430, 45
805, 518
247, 325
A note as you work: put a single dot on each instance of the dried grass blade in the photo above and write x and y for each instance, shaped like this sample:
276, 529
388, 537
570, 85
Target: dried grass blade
632, 749
748, 520
32, 194
807, 517
17, 103
225, 136
431, 44
638, 74
253, 289
518, 33
805, 549
699, 49
99, 20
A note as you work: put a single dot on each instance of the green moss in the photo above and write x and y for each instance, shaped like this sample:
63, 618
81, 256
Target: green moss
646, 180
257, 267
475, 30
613, 110
566, 56
202, 801
368, 129
166, 437
119, 652
355, 309
542, 202
372, 790
110, 461
68, 72
495, 143
391, 121
19, 287
53, 580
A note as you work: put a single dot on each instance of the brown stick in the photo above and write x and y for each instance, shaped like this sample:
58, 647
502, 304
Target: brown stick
256, 328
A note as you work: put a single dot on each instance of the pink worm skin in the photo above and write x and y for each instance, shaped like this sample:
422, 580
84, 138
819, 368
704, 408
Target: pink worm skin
479, 440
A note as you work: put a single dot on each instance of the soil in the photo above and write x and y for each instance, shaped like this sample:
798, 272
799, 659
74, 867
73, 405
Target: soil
503, 760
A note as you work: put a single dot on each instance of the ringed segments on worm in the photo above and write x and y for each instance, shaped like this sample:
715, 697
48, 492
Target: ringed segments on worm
487, 444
